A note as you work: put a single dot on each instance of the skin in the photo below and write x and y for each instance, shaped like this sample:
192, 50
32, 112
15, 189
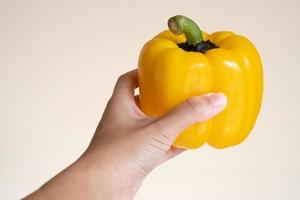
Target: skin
127, 145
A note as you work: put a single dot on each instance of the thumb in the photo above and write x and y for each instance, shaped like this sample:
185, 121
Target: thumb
195, 109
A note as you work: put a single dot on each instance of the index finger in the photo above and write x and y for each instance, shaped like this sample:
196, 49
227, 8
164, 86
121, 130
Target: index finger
126, 84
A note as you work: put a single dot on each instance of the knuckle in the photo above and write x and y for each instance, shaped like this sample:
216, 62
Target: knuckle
191, 108
197, 109
161, 130
159, 127
121, 78
205, 101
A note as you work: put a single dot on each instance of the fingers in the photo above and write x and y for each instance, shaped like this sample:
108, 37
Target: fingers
126, 84
195, 109
137, 100
124, 103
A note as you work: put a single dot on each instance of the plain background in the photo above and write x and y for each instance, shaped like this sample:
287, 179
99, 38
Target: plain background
59, 61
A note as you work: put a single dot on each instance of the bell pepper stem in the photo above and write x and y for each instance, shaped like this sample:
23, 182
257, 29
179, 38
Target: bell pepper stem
180, 24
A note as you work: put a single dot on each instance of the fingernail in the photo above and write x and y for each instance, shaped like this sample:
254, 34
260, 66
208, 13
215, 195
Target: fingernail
217, 99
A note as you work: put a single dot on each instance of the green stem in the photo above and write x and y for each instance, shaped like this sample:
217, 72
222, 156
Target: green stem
180, 24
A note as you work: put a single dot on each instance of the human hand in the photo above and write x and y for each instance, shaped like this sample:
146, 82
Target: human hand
127, 145
132, 144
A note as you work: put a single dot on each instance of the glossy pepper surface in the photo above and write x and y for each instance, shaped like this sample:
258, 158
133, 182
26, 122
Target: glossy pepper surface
179, 63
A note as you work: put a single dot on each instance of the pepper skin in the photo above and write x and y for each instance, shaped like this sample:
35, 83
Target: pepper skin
169, 75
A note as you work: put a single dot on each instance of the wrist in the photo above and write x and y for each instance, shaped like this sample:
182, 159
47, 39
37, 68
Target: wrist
105, 176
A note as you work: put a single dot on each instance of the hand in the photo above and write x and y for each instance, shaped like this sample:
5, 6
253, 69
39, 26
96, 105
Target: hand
127, 145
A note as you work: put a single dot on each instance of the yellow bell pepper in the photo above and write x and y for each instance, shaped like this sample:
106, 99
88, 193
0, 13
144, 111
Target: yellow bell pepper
183, 62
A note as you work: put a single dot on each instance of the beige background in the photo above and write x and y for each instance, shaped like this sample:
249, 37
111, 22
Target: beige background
59, 60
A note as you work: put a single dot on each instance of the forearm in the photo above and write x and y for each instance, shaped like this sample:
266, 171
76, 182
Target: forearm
82, 180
